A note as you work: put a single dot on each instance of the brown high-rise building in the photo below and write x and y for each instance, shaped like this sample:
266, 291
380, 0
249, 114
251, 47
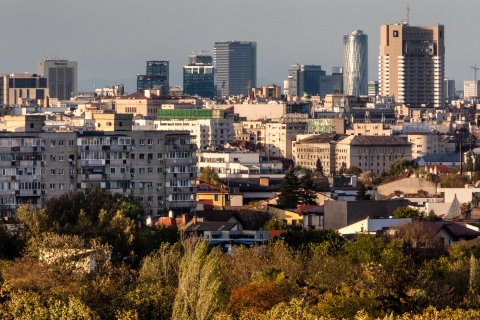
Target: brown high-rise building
412, 64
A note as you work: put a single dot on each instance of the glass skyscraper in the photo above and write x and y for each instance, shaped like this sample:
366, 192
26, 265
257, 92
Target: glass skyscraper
156, 77
198, 76
355, 63
305, 80
236, 67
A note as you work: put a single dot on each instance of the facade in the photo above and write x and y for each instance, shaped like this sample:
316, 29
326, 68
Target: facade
199, 77
62, 78
450, 90
308, 151
332, 83
210, 134
156, 77
471, 89
412, 64
304, 80
369, 129
355, 63
371, 153
157, 167
16, 87
430, 143
236, 67
372, 88
276, 138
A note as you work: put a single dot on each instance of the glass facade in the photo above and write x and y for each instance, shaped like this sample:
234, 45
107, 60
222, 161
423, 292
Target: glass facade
355, 63
199, 81
236, 67
156, 77
305, 80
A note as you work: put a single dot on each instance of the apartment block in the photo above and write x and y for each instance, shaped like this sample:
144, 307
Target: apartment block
275, 137
156, 167
369, 153
430, 143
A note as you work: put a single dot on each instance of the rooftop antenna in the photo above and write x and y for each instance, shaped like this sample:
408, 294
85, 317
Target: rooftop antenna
475, 69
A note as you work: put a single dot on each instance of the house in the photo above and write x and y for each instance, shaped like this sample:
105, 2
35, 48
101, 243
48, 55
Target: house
407, 185
312, 216
372, 225
452, 160
211, 195
228, 239
449, 232
290, 216
339, 214
199, 226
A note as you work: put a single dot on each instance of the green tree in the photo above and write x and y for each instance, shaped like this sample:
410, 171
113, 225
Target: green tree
307, 194
355, 171
399, 166
208, 175
319, 168
289, 190
199, 293
407, 212
453, 181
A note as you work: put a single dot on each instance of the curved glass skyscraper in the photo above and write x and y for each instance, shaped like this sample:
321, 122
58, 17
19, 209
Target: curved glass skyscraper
355, 63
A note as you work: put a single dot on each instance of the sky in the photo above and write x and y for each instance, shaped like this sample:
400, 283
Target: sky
112, 39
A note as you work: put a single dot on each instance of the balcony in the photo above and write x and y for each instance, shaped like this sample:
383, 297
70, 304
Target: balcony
93, 162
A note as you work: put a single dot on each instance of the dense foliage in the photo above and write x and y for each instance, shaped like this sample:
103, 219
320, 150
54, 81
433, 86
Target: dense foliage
305, 274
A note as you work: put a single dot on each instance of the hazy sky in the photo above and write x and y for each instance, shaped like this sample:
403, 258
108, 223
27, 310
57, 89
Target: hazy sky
111, 39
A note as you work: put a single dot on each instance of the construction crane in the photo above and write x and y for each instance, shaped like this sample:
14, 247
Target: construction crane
475, 69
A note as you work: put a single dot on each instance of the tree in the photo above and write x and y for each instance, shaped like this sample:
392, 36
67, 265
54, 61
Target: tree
208, 175
199, 292
319, 168
355, 171
469, 166
399, 166
289, 190
307, 194
362, 192
453, 181
477, 163
407, 212
343, 169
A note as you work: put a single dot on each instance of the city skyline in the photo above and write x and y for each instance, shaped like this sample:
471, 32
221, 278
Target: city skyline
279, 44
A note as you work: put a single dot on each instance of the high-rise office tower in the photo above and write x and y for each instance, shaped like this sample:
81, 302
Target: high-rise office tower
332, 83
355, 63
449, 89
305, 80
156, 77
62, 77
236, 67
471, 89
412, 64
198, 76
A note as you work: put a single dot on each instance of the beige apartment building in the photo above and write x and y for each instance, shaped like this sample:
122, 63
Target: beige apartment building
412, 64
429, 143
275, 137
156, 167
17, 87
308, 151
369, 153
369, 129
